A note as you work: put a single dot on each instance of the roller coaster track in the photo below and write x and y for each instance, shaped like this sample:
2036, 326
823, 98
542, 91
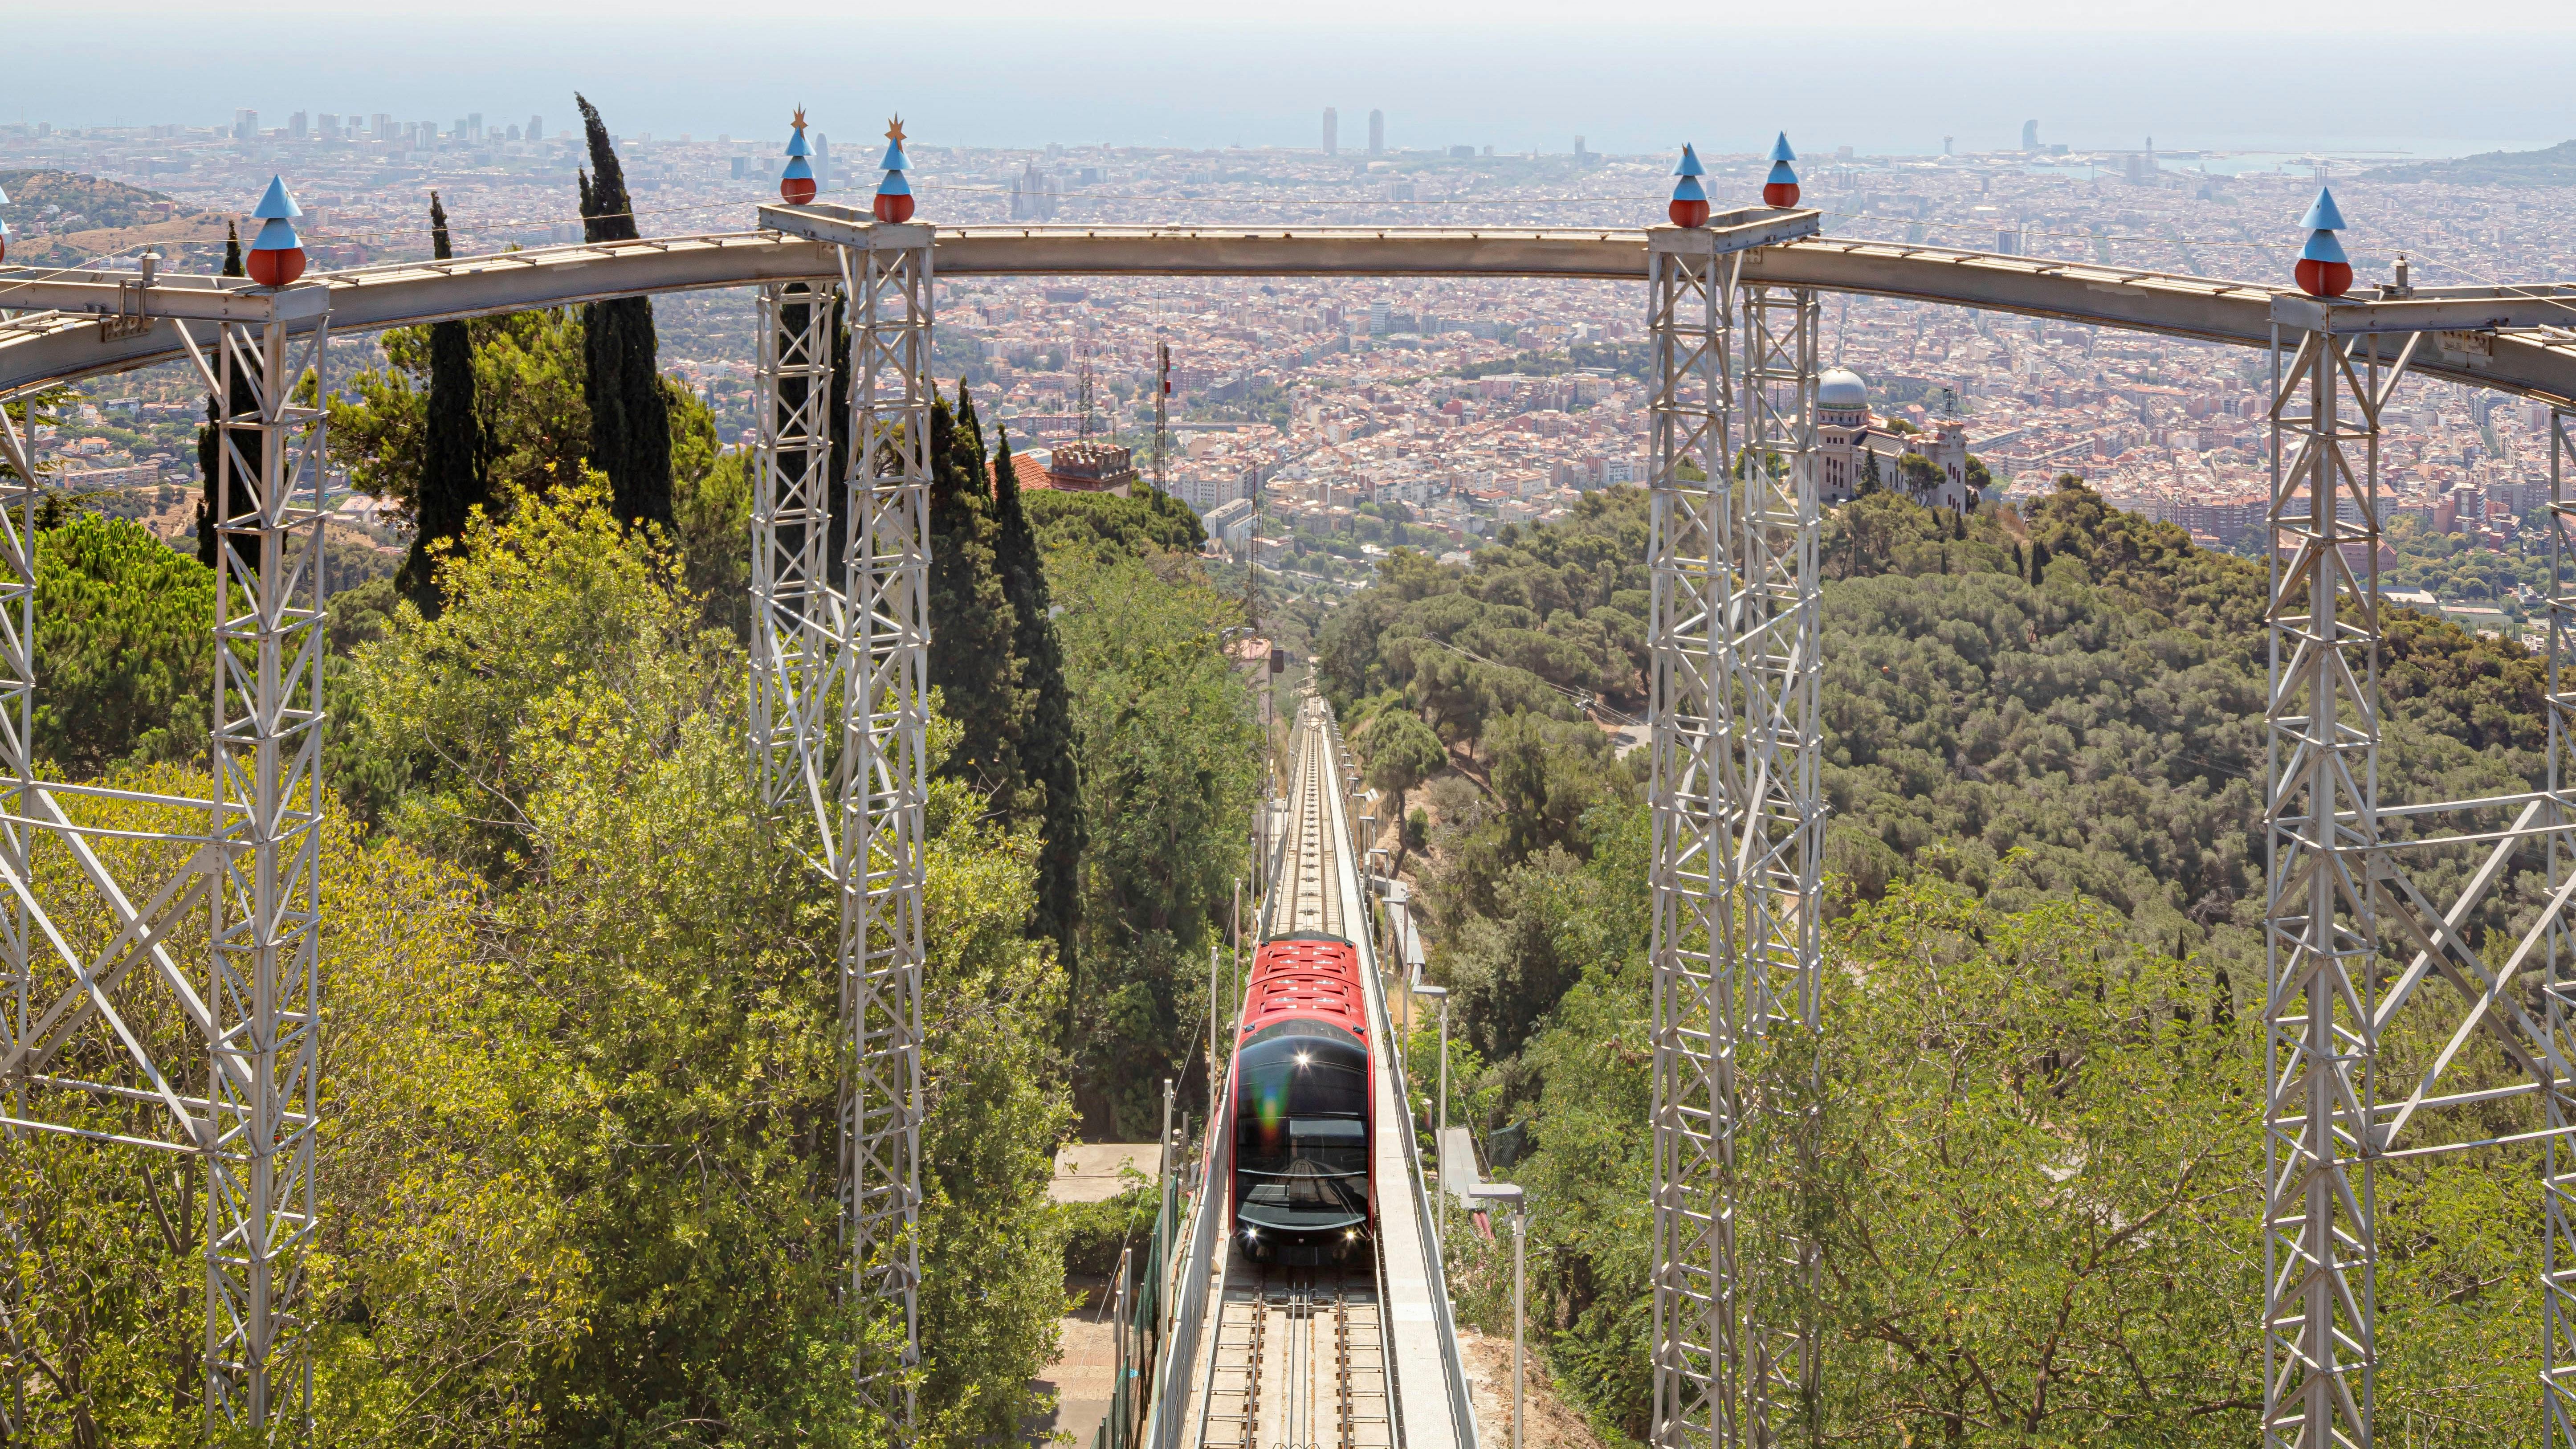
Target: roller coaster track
2526, 335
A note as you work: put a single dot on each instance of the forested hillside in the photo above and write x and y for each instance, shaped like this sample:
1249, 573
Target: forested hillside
2042, 737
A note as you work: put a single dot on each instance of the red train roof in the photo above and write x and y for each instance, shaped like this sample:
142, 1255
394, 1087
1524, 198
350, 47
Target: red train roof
1307, 978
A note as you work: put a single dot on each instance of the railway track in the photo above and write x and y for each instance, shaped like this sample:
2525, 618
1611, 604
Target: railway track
1298, 1357
1300, 1361
1308, 896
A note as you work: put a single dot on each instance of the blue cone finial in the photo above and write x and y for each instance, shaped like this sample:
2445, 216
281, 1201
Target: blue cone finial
1780, 149
1690, 163
275, 204
2322, 213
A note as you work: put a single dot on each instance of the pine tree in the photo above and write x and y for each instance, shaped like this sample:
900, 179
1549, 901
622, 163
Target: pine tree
971, 620
453, 478
209, 438
1048, 745
630, 420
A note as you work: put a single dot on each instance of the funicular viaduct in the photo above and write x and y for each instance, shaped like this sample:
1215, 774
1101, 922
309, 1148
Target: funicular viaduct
839, 666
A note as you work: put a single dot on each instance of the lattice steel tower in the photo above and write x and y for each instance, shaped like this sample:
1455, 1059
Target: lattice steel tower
841, 697
102, 1043
1732, 561
2358, 953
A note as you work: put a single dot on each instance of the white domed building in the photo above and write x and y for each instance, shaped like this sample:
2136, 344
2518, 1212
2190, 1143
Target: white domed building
1857, 454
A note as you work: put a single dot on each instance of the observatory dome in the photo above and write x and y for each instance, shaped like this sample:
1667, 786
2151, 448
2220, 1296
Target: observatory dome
1841, 388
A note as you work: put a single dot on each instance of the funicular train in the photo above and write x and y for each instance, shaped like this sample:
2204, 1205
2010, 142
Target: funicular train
1301, 1192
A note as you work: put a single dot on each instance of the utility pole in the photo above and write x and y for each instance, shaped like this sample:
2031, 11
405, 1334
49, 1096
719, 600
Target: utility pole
1162, 413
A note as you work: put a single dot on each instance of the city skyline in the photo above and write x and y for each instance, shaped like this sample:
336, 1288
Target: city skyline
1625, 88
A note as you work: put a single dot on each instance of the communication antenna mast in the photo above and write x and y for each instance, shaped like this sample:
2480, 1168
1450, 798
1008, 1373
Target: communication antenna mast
1162, 412
1083, 394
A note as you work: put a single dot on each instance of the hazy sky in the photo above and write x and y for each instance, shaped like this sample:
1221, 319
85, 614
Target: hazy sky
1643, 75
2171, 17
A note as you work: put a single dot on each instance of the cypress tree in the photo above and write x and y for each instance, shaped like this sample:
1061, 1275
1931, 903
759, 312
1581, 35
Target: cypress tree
1048, 746
971, 620
245, 401
452, 474
630, 419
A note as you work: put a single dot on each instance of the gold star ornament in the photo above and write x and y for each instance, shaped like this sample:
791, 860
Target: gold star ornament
894, 130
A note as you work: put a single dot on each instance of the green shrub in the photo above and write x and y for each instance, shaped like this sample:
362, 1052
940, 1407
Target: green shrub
1096, 1231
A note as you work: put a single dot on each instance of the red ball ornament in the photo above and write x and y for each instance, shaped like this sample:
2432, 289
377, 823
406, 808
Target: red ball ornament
1687, 213
282, 265
796, 190
893, 210
1780, 194
2324, 279
4, 249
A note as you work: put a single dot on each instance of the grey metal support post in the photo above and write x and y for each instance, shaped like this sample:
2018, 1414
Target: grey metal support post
1510, 1195
1520, 1318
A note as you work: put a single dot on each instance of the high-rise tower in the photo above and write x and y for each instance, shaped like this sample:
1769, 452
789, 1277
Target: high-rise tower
2030, 135
1332, 126
1377, 133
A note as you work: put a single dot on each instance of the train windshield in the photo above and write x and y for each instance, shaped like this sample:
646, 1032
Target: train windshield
1301, 1128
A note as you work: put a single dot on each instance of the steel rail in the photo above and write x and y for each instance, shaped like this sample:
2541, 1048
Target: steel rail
2518, 339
